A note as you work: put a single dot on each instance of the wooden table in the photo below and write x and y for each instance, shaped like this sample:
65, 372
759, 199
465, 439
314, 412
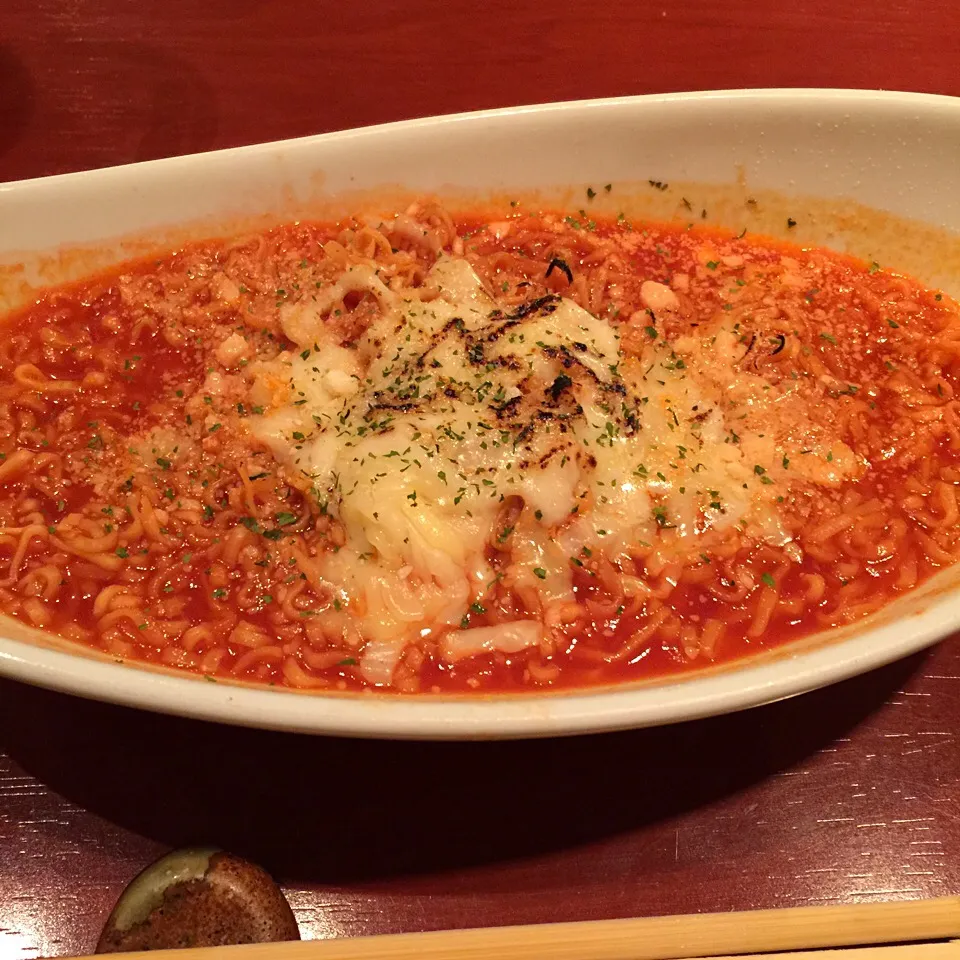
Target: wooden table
849, 793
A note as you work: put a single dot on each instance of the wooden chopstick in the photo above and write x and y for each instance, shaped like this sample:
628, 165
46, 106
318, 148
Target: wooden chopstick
774, 933
941, 950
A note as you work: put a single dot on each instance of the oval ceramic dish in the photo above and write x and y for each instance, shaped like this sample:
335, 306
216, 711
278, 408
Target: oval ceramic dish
872, 173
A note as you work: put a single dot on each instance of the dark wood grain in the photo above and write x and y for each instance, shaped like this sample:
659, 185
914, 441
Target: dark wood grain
95, 82
848, 793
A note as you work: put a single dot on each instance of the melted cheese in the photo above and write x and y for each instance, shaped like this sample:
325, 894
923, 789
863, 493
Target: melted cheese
418, 437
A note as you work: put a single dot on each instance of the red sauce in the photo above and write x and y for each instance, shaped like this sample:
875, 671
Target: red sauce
188, 544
